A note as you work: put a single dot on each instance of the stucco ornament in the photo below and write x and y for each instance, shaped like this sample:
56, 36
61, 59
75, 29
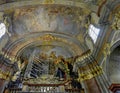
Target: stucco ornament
116, 23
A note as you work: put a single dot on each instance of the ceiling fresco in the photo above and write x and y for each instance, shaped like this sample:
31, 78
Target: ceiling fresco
68, 17
60, 19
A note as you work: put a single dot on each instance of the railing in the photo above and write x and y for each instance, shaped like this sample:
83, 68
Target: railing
46, 88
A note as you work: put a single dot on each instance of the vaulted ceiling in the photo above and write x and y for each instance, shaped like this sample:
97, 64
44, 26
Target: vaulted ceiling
56, 24
64, 24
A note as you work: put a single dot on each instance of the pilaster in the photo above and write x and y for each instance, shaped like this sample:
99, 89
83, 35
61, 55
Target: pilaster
92, 75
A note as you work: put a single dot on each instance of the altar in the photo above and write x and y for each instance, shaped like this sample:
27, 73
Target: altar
45, 84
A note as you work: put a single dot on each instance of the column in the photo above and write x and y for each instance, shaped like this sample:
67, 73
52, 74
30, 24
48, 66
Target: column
88, 69
87, 74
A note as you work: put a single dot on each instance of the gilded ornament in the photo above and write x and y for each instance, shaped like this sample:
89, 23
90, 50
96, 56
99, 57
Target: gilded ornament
85, 75
48, 1
116, 22
84, 56
106, 49
47, 37
4, 75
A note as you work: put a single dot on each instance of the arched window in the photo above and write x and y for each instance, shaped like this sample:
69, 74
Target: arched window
93, 32
2, 29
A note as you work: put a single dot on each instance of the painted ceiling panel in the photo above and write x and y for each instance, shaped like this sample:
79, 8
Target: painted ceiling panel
60, 19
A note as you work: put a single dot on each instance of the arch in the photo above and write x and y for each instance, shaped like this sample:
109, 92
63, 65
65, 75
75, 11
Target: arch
44, 38
113, 47
105, 21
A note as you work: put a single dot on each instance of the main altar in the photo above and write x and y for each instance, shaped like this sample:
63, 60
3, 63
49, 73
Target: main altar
46, 74
46, 84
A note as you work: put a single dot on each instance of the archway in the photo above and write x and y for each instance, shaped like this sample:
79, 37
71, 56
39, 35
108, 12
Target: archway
44, 49
113, 66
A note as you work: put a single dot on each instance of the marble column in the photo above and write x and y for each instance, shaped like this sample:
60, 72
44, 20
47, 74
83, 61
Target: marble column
92, 86
2, 85
88, 70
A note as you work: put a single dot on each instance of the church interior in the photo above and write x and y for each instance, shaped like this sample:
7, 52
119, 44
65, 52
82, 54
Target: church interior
59, 46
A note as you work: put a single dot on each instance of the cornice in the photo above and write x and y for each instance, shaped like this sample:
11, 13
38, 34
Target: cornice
13, 5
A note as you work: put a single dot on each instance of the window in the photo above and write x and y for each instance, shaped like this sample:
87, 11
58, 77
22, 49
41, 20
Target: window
93, 32
2, 29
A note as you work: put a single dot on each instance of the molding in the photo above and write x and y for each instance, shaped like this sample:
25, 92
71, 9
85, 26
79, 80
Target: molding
14, 5
115, 45
96, 71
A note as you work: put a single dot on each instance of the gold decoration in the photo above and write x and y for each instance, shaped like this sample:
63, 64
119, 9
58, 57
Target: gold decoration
83, 56
48, 1
90, 73
47, 37
106, 49
116, 23
4, 75
23, 11
61, 63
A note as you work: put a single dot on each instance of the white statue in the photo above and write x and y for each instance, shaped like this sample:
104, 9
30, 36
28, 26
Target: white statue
5, 37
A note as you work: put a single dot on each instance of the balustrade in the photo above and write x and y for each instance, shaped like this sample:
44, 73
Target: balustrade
46, 88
